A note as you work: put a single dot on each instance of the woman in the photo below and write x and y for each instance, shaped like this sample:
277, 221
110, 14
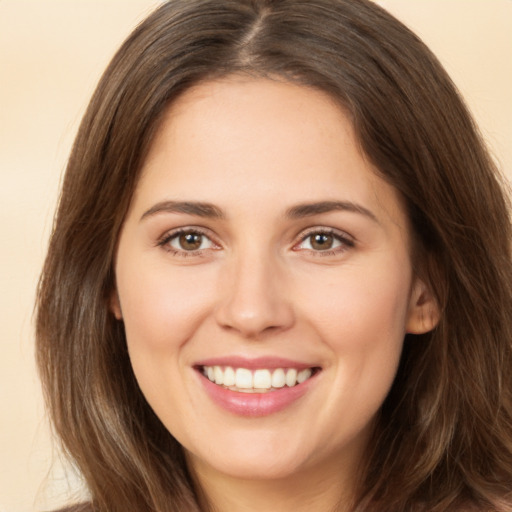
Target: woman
279, 276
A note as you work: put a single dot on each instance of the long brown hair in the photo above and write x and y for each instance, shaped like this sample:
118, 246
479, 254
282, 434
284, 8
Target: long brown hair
443, 441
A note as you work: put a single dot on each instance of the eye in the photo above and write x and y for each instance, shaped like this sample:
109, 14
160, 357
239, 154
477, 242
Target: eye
187, 241
324, 241
321, 242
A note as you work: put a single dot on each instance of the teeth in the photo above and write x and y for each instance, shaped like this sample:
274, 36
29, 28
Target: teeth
262, 379
243, 378
218, 375
278, 378
229, 376
303, 375
247, 381
291, 377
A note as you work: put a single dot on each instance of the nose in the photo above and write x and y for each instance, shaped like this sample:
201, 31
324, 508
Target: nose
255, 299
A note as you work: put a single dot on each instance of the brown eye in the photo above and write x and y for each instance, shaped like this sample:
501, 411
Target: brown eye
321, 241
190, 241
327, 242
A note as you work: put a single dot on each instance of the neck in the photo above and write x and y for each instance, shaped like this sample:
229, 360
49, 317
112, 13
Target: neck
328, 488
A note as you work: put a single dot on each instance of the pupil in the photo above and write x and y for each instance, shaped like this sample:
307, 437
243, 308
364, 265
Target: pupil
322, 241
190, 241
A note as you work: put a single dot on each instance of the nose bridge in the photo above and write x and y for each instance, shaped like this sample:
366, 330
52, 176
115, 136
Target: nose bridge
254, 293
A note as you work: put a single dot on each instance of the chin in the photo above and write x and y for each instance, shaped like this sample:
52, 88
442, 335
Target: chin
251, 464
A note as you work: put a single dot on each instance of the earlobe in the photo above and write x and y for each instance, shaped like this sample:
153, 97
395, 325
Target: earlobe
424, 314
114, 305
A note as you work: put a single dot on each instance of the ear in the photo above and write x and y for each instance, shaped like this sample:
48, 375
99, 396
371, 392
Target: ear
423, 314
114, 305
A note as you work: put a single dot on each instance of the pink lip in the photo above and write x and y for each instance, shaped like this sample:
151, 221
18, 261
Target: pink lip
254, 404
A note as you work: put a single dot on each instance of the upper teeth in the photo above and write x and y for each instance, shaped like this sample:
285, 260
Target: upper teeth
243, 379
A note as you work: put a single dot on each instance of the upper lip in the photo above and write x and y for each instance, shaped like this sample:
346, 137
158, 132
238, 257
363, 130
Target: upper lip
266, 362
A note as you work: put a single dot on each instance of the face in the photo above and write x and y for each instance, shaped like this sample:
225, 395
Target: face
264, 280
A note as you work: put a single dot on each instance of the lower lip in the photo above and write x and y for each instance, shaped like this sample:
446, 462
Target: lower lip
255, 404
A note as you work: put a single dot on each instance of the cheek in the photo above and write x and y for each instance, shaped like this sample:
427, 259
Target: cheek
362, 309
161, 308
362, 321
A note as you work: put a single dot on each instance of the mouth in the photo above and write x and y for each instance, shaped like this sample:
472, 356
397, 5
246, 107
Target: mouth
261, 380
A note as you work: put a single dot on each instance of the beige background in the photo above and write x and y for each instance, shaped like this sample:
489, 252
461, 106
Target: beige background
51, 55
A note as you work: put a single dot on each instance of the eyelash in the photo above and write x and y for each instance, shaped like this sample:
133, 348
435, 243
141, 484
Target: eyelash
345, 241
165, 241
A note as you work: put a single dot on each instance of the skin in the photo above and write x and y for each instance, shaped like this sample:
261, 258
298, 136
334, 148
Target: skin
255, 149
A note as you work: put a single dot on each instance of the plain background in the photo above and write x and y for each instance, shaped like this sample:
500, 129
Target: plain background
52, 53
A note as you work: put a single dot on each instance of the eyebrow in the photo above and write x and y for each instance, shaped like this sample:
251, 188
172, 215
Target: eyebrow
199, 209
208, 210
309, 209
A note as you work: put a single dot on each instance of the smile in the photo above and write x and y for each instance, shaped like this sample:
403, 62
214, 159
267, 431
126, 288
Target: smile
256, 387
260, 380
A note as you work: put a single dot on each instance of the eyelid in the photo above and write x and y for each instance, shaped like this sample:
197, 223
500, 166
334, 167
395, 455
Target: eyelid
346, 241
168, 236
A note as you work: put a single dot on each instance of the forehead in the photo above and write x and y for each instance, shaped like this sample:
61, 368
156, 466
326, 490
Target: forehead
268, 118
263, 140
